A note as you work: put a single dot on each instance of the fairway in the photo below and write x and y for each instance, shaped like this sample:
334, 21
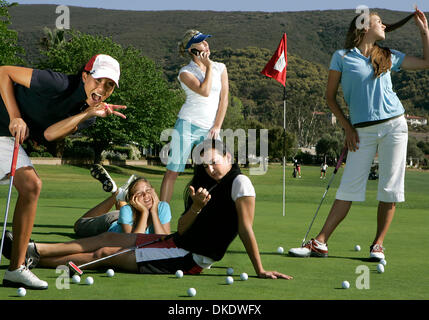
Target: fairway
69, 191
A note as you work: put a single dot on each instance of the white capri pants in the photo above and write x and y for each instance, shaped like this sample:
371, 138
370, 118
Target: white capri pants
6, 152
390, 140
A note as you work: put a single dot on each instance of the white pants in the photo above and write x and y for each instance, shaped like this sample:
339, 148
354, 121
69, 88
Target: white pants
390, 140
6, 152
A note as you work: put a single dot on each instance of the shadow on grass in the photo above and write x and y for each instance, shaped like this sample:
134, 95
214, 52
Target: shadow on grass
65, 207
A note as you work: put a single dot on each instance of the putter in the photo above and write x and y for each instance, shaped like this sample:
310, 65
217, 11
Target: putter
12, 175
73, 268
340, 160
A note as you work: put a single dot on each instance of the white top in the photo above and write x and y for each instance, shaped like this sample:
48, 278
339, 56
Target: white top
241, 187
201, 111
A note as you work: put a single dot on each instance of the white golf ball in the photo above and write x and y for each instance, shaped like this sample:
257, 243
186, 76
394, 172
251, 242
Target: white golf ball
75, 279
280, 250
380, 268
244, 276
110, 273
179, 273
345, 285
192, 292
229, 280
383, 262
357, 247
230, 271
89, 281
22, 292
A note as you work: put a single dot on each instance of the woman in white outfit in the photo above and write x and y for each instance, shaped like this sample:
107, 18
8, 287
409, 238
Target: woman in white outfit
206, 86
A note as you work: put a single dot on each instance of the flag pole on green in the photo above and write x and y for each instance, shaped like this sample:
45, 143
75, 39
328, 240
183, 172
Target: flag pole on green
276, 69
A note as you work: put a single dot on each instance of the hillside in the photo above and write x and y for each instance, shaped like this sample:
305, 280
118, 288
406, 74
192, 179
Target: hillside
312, 35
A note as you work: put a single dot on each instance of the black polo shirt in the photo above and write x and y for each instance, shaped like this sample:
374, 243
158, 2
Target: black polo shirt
52, 97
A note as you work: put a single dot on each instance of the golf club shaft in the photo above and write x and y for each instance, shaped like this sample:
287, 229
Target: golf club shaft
122, 252
12, 175
340, 160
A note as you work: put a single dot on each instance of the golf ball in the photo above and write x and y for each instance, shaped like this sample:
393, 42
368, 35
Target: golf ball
280, 250
383, 262
345, 285
192, 292
89, 280
244, 276
230, 271
75, 279
357, 247
179, 273
229, 280
380, 268
110, 273
22, 292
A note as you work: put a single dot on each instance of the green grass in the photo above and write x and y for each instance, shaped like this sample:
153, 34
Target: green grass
69, 191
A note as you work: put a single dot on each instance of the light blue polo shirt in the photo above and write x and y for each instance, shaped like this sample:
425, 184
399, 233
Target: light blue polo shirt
368, 98
126, 217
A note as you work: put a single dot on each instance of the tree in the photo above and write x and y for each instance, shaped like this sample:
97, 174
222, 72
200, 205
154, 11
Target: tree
9, 49
151, 105
53, 38
329, 146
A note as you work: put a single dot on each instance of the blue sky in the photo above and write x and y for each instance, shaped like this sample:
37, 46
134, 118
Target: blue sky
238, 5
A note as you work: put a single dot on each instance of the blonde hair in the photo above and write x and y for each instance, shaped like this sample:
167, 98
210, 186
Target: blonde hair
185, 39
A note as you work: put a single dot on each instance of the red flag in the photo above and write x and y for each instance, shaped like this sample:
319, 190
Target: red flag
276, 67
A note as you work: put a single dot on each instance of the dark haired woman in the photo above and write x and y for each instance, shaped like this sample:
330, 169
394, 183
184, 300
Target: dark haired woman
45, 105
220, 204
376, 125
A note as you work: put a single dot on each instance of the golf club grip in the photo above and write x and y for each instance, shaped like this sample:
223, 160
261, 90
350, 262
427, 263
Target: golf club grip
340, 160
14, 159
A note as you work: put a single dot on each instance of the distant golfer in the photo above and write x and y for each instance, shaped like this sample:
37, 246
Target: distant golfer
45, 105
323, 169
206, 86
376, 124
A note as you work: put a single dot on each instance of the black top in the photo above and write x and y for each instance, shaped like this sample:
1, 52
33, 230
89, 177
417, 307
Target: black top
216, 226
52, 97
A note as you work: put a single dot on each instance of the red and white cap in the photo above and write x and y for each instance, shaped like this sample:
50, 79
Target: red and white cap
104, 66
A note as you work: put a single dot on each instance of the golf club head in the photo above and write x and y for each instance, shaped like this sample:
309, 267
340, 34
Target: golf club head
74, 269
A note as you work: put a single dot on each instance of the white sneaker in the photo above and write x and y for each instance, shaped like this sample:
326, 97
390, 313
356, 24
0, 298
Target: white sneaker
312, 248
123, 190
376, 252
23, 277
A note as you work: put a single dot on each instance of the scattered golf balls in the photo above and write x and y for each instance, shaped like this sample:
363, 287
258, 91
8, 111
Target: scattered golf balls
229, 280
89, 281
380, 268
244, 276
383, 262
110, 273
22, 292
357, 247
345, 285
75, 279
230, 271
280, 250
192, 292
179, 274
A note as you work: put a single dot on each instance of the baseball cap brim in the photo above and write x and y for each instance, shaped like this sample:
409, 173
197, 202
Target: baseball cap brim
102, 73
197, 39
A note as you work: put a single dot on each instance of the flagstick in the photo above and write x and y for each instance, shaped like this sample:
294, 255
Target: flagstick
284, 150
